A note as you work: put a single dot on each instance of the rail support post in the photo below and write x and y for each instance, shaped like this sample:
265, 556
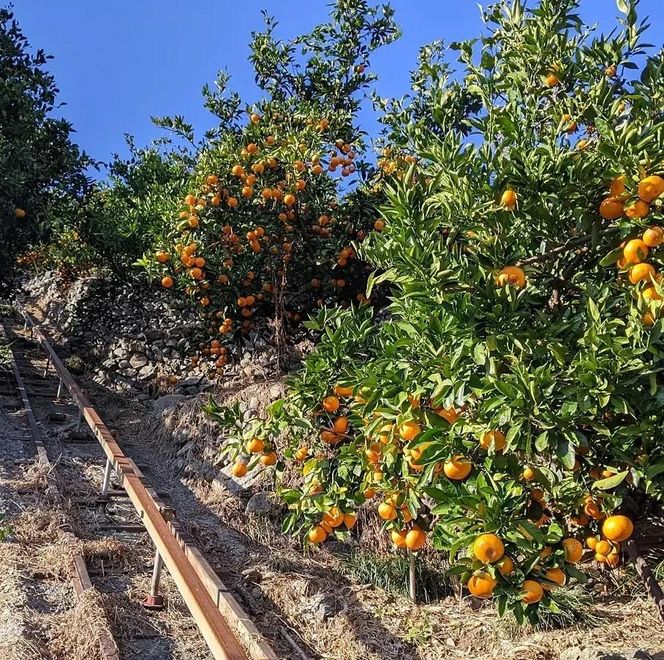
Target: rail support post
58, 396
107, 478
155, 601
48, 364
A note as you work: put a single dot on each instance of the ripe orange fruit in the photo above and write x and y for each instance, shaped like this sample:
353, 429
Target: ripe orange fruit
212, 180
653, 236
340, 425
635, 251
247, 191
255, 446
302, 454
639, 209
495, 439
167, 282
481, 585
613, 559
603, 547
289, 199
162, 257
449, 414
641, 272
415, 539
254, 118
334, 517
399, 537
317, 535
252, 148
617, 528
511, 275
570, 125
379, 225
329, 437
190, 200
650, 293
330, 404
617, 186
611, 208
533, 592
340, 390
239, 469
529, 474
349, 520
651, 188
592, 541
269, 459
648, 319
552, 80
505, 566
387, 511
508, 199
409, 430
555, 575
600, 558
488, 548
573, 550
457, 468
19, 213
237, 170
592, 509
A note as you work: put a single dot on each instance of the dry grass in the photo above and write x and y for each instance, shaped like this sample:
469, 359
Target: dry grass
76, 632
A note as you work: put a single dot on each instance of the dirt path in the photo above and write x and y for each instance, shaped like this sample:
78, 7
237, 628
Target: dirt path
40, 616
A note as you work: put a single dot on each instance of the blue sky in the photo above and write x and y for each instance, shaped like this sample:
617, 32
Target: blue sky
118, 63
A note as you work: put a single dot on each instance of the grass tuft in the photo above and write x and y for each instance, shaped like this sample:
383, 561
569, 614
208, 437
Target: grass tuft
390, 573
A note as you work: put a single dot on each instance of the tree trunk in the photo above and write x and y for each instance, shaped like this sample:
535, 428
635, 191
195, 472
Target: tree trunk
412, 580
652, 586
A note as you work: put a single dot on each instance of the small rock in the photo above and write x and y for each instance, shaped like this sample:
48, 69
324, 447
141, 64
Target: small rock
578, 653
166, 402
147, 372
252, 575
262, 504
325, 606
138, 360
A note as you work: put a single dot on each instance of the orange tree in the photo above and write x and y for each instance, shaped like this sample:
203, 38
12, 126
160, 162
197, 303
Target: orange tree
42, 173
266, 226
508, 408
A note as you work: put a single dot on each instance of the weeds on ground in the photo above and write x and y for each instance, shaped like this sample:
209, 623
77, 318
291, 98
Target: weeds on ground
390, 573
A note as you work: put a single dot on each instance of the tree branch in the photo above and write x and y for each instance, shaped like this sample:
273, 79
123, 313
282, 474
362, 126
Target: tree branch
574, 242
648, 579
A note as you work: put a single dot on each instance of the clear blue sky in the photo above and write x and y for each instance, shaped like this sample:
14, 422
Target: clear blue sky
117, 63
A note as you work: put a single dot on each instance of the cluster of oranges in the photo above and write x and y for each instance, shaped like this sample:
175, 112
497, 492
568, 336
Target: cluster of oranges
615, 530
488, 564
635, 250
254, 447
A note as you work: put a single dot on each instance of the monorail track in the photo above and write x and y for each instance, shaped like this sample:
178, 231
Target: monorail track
125, 507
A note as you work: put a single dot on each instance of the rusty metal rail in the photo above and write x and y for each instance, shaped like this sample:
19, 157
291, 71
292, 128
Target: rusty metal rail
227, 630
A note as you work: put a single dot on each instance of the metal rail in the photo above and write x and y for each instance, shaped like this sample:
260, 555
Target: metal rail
218, 615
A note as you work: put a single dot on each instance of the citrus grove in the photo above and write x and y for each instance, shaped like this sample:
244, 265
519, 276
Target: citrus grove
272, 206
507, 410
485, 293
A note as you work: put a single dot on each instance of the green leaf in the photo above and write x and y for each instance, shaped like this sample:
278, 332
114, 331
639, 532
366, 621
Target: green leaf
610, 482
